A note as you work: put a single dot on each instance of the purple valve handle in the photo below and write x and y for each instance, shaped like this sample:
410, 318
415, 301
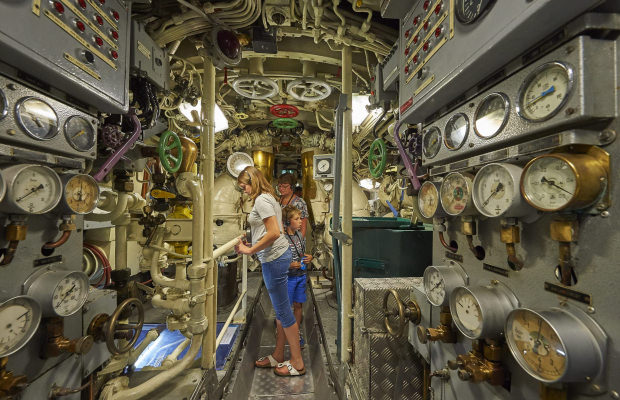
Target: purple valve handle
413, 175
119, 153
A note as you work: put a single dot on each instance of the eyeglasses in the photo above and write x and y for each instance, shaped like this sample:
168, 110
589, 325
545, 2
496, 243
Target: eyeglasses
283, 185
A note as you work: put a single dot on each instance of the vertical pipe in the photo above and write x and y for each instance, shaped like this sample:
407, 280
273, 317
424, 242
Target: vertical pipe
244, 287
347, 205
120, 243
207, 168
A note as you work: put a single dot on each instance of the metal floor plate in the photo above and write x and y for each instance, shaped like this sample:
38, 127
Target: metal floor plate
267, 385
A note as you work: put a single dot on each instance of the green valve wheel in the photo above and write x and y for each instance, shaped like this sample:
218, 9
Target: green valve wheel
377, 158
168, 142
285, 123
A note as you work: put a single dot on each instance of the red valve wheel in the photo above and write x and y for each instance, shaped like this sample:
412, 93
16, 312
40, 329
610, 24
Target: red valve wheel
284, 111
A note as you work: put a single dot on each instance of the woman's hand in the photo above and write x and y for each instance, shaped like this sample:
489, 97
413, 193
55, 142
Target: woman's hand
243, 248
295, 265
307, 259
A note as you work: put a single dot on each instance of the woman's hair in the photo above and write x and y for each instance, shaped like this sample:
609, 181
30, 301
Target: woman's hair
289, 212
288, 178
253, 177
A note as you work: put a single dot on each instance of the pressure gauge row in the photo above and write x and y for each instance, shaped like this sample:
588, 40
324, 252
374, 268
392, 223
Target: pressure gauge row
550, 182
39, 121
542, 95
37, 189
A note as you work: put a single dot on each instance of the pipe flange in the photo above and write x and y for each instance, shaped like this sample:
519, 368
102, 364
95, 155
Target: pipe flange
309, 89
255, 87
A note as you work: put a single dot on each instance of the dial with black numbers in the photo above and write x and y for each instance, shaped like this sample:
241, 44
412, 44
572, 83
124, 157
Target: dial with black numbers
31, 189
431, 144
80, 133
468, 11
19, 320
81, 193
37, 118
545, 91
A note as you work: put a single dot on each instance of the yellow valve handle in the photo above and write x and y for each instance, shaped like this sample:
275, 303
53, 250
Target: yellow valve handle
162, 194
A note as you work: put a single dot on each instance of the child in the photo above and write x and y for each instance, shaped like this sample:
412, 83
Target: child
297, 269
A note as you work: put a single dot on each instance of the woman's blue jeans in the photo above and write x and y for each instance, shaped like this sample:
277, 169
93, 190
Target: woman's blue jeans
275, 275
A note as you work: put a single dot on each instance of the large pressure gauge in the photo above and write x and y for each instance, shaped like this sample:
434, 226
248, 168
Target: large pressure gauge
563, 181
480, 312
237, 162
468, 11
37, 118
60, 293
428, 200
455, 194
491, 115
545, 91
431, 144
456, 131
441, 280
496, 192
19, 320
80, 193
80, 133
556, 345
31, 189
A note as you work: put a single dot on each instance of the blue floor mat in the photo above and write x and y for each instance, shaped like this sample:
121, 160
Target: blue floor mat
167, 341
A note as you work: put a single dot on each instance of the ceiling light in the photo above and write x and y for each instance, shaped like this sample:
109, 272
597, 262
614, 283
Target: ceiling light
189, 112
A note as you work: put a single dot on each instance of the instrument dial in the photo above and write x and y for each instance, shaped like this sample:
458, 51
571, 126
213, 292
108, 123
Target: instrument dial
60, 293
545, 91
428, 200
20, 318
37, 118
432, 142
80, 133
467, 312
237, 162
328, 186
455, 193
440, 281
31, 189
81, 193
468, 11
491, 115
456, 131
4, 105
495, 191
323, 166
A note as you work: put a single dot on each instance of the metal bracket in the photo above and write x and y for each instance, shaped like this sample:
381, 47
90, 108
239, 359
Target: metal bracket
343, 237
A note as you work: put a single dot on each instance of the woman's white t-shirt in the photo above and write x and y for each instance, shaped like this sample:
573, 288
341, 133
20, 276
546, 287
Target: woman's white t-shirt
266, 206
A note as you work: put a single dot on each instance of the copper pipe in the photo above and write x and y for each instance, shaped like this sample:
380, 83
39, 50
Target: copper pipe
470, 243
566, 269
9, 252
63, 239
145, 186
446, 245
513, 260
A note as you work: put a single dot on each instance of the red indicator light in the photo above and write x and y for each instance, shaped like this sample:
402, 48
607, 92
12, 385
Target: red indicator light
372, 92
372, 78
407, 33
116, 15
406, 69
426, 26
425, 47
416, 21
114, 54
438, 31
82, 4
99, 19
407, 51
437, 8
415, 39
80, 25
59, 7
415, 59
99, 41
114, 34
102, 1
426, 4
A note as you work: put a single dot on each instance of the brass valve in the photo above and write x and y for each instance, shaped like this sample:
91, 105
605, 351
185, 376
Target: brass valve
564, 230
468, 228
481, 364
14, 233
406, 312
10, 385
442, 333
509, 234
55, 343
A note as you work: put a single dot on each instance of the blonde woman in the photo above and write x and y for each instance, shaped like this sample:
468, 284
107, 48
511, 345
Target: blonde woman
272, 249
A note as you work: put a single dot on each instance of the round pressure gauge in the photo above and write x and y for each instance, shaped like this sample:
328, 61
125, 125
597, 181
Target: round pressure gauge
37, 118
545, 91
480, 312
322, 166
328, 186
81, 193
441, 280
495, 191
456, 131
491, 115
561, 181
455, 194
31, 189
428, 200
468, 11
19, 320
80, 133
4, 105
237, 162
431, 142
556, 345
60, 293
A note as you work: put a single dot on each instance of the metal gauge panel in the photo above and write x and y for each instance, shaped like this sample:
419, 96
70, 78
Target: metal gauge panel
496, 191
60, 293
20, 318
545, 91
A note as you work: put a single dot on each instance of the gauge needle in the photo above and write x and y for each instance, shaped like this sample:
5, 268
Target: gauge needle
33, 190
500, 186
552, 183
543, 94
66, 294
80, 133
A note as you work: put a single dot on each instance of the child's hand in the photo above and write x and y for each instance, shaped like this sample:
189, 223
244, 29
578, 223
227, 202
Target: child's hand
295, 265
307, 258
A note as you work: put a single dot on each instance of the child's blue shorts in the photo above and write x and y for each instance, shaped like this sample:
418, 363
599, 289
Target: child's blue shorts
297, 288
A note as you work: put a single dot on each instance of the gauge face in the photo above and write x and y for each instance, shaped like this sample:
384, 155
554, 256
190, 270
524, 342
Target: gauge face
4, 106
70, 294
81, 194
467, 11
545, 91
322, 166
428, 199
455, 193
37, 118
432, 142
434, 286
548, 183
456, 131
328, 187
19, 320
80, 133
494, 190
237, 162
536, 345
36, 189
467, 312
491, 115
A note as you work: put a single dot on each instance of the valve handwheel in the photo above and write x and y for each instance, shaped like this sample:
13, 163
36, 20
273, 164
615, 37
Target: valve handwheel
284, 111
377, 157
113, 328
169, 142
409, 312
285, 123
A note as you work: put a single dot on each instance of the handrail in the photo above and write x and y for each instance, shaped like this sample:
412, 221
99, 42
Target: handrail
229, 319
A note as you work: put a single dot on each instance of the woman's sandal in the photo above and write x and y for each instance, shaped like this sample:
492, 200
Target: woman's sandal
266, 362
291, 370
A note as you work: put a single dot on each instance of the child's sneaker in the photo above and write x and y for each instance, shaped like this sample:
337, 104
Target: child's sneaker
302, 342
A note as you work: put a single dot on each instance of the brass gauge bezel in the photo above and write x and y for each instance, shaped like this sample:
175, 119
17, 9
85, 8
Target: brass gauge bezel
590, 167
65, 182
487, 98
427, 132
530, 78
449, 123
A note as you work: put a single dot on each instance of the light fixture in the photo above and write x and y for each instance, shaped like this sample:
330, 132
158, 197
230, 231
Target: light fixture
368, 184
360, 112
190, 112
